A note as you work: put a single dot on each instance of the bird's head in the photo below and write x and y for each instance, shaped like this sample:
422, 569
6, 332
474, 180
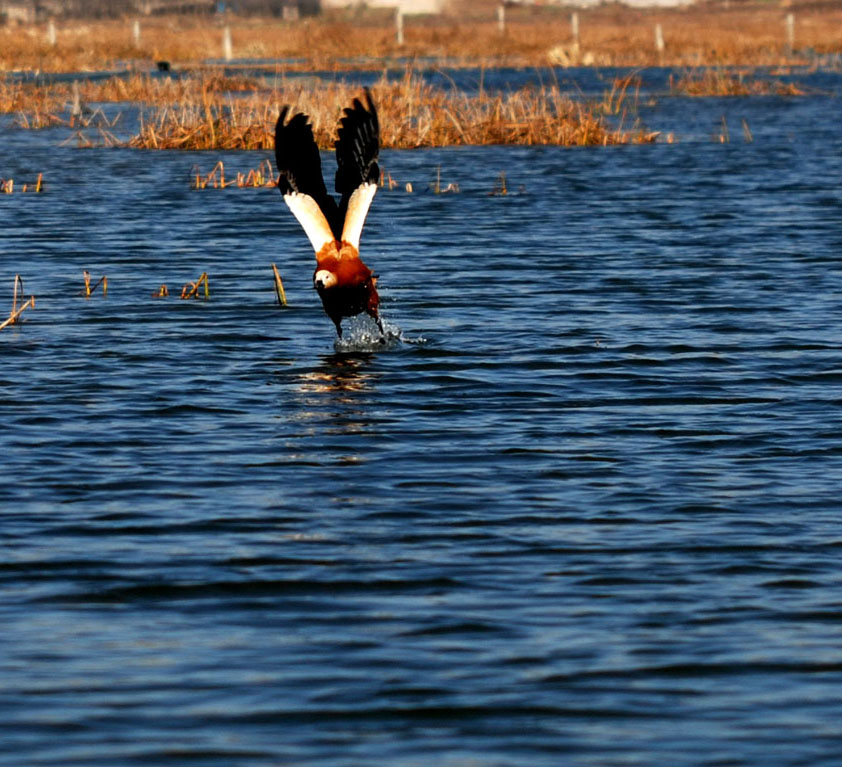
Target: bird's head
324, 279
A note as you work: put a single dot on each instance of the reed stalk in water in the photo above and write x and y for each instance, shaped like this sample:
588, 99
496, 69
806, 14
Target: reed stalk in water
16, 312
261, 176
89, 290
191, 289
7, 185
724, 82
279, 286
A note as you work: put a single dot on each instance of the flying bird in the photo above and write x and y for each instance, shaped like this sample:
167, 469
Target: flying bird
345, 284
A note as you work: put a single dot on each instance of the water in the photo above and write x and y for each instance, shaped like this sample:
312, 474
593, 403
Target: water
591, 517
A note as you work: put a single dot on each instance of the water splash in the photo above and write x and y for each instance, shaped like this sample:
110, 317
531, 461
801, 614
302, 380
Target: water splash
361, 334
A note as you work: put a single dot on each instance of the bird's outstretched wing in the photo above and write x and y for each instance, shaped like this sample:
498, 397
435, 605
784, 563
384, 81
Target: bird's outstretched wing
357, 174
301, 182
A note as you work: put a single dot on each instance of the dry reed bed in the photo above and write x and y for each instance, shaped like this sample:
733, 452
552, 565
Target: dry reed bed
42, 104
719, 82
203, 113
57, 96
412, 114
742, 34
207, 111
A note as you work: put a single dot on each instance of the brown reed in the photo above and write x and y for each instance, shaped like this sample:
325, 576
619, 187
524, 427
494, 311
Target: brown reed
279, 286
7, 185
207, 111
16, 311
191, 289
412, 114
88, 290
723, 82
261, 176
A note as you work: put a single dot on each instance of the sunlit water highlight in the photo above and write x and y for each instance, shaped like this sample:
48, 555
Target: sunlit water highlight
590, 518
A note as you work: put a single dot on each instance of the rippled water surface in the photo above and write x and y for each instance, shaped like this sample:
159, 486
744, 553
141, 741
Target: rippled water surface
590, 516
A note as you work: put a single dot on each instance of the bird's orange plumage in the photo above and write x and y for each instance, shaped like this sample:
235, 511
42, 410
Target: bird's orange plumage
355, 289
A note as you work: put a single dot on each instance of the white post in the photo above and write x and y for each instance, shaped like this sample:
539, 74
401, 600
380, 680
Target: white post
659, 40
76, 109
51, 32
399, 25
574, 29
501, 18
790, 33
227, 52
136, 33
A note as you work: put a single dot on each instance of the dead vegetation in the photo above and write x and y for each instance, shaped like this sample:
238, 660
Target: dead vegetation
608, 35
7, 185
200, 108
203, 112
412, 114
261, 176
724, 82
17, 310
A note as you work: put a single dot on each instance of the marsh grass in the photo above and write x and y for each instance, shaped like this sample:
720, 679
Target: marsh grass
723, 82
412, 114
204, 110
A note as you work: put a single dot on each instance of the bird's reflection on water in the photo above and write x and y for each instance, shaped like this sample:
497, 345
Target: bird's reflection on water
332, 399
339, 375
333, 420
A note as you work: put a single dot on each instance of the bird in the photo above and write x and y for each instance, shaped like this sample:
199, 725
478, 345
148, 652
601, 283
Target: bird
346, 286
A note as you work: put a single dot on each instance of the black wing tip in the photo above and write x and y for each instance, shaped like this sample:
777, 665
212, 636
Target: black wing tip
358, 145
298, 126
291, 140
359, 114
369, 102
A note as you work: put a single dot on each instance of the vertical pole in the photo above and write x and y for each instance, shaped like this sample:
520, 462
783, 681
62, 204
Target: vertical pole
76, 109
136, 33
51, 32
790, 33
501, 18
574, 30
659, 41
399, 25
227, 52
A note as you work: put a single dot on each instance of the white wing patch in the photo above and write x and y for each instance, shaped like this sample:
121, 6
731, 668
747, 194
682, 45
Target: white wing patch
310, 216
358, 206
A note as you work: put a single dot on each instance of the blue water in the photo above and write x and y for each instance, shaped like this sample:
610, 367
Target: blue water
589, 517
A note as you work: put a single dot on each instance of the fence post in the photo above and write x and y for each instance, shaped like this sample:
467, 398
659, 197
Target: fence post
227, 52
76, 109
51, 32
136, 33
399, 25
790, 33
501, 18
574, 29
659, 41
